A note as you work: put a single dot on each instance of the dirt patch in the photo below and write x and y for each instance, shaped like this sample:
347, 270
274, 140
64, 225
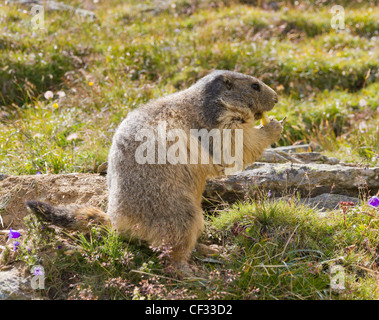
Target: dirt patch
82, 189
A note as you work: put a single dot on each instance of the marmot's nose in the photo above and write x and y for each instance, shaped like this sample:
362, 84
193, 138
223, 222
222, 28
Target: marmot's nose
276, 99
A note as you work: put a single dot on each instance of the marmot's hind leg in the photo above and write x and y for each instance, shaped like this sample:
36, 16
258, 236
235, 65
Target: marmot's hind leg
175, 225
186, 242
179, 231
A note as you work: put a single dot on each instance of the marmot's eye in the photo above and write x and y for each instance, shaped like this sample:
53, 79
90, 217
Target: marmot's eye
256, 86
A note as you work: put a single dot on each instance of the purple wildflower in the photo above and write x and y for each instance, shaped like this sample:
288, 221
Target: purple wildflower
269, 193
373, 202
38, 272
59, 247
13, 234
16, 244
38, 172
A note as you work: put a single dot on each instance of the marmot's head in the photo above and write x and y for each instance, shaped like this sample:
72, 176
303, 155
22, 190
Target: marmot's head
234, 96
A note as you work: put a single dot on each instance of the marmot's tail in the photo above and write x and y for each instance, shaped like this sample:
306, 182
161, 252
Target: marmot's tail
72, 217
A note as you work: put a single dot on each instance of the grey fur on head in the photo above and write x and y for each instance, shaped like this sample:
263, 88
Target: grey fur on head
221, 88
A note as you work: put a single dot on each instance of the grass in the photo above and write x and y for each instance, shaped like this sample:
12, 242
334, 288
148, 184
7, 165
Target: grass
290, 249
273, 250
136, 51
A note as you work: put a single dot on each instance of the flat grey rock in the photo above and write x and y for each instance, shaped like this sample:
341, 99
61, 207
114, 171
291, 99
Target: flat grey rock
297, 148
328, 201
294, 155
282, 179
12, 286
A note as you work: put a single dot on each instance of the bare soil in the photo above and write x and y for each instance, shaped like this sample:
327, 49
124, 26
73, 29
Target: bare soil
82, 189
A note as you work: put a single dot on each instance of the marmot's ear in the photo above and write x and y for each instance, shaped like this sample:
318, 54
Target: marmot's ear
227, 81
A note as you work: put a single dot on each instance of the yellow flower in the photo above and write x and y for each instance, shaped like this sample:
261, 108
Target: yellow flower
55, 106
90, 84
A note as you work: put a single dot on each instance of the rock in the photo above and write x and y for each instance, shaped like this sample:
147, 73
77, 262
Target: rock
12, 286
298, 148
291, 154
332, 161
308, 157
307, 179
274, 156
57, 6
329, 201
102, 169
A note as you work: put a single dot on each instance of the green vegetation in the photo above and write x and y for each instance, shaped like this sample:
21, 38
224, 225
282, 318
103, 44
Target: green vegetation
273, 250
139, 50
136, 51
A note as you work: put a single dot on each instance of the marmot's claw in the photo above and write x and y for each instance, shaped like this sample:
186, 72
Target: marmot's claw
283, 120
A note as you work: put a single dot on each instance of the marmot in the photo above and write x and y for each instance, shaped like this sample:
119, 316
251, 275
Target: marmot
161, 202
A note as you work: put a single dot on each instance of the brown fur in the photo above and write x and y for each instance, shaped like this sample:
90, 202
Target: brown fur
72, 217
161, 203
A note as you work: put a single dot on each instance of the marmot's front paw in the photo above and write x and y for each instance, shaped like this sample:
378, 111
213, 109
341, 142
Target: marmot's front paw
274, 129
